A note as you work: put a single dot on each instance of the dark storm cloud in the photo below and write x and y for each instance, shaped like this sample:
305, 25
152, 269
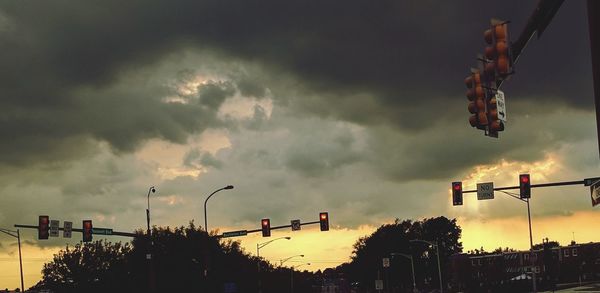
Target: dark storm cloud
68, 66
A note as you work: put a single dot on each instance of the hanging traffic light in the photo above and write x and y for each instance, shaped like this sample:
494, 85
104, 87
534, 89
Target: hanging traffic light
524, 186
457, 196
43, 227
476, 94
324, 221
87, 230
266, 227
498, 53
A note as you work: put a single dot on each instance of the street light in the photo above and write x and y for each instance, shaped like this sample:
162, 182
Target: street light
437, 250
258, 247
292, 275
18, 236
412, 266
223, 188
281, 261
153, 190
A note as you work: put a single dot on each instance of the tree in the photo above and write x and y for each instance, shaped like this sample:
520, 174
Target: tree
395, 238
91, 267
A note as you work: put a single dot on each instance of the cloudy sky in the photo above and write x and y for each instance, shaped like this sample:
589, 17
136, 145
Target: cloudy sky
351, 107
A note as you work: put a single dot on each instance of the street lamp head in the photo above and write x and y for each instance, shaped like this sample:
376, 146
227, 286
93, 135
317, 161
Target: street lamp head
288, 238
152, 189
228, 187
302, 255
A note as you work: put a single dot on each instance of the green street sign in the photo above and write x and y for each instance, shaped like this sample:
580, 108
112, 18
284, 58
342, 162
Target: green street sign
102, 231
235, 233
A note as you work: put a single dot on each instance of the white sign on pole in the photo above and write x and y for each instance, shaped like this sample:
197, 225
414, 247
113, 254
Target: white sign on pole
296, 225
595, 193
54, 228
67, 229
485, 190
378, 284
501, 106
386, 262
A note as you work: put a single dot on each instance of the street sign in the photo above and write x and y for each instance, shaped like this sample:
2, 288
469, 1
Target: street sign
590, 181
296, 225
68, 227
501, 106
102, 231
54, 228
485, 190
386, 262
595, 194
235, 233
378, 284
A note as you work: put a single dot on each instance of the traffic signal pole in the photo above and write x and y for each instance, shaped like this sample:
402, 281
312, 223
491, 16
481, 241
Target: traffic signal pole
593, 8
18, 236
585, 182
113, 233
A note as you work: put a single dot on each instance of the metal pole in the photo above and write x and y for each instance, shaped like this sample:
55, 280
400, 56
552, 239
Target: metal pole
437, 248
292, 280
258, 267
531, 249
412, 267
593, 10
223, 188
20, 260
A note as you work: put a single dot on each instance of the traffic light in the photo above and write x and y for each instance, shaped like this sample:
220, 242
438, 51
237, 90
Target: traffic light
498, 53
457, 196
476, 94
266, 227
324, 221
524, 186
87, 230
43, 227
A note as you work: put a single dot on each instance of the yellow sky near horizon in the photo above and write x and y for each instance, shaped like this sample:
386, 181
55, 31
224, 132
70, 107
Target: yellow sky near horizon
328, 249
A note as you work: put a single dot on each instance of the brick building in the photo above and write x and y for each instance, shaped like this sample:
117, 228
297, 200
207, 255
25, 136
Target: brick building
512, 270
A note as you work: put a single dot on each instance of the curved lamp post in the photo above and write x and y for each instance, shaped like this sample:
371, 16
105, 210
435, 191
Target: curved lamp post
153, 190
412, 266
223, 188
437, 250
292, 275
258, 247
281, 261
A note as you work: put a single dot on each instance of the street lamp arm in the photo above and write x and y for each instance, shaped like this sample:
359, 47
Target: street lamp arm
432, 243
261, 245
9, 232
206, 201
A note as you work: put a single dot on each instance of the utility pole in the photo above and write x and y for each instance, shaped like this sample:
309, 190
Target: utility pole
18, 236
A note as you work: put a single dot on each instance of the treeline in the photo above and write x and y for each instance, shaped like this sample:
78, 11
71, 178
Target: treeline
187, 259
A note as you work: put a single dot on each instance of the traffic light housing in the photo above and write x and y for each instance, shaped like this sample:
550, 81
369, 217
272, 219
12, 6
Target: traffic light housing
87, 230
457, 196
524, 186
266, 227
324, 221
476, 94
498, 52
43, 227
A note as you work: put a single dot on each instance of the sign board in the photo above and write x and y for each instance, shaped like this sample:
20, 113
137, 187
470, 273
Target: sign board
54, 228
102, 231
68, 227
485, 190
591, 181
595, 194
296, 225
386, 262
235, 233
378, 284
501, 106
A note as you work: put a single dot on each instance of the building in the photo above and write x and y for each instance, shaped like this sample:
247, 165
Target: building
512, 270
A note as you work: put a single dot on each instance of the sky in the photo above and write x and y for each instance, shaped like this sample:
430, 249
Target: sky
356, 108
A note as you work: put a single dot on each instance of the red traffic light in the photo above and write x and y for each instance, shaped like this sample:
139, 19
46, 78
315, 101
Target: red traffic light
524, 186
87, 230
43, 227
457, 197
266, 227
324, 221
